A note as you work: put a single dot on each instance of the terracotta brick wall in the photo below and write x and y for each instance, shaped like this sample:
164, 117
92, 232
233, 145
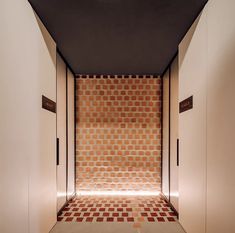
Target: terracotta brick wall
118, 131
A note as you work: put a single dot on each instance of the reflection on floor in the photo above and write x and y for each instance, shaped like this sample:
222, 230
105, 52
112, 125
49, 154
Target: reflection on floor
117, 227
127, 214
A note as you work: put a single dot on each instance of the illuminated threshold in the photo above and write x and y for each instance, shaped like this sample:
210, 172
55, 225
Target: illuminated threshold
118, 193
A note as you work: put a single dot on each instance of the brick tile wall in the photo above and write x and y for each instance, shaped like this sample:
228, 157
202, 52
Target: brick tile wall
118, 133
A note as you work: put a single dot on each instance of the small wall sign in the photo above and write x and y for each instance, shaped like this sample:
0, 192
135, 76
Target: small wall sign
186, 104
48, 104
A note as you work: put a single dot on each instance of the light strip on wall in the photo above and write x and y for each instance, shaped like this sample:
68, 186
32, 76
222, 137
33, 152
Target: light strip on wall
118, 193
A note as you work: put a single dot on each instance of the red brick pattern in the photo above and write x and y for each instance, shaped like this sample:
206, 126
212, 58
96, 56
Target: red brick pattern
117, 209
118, 131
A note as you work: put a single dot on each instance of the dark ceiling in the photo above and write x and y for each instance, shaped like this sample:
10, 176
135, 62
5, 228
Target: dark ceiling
118, 36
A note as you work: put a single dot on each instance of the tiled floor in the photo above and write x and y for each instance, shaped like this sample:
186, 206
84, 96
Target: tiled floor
116, 227
136, 211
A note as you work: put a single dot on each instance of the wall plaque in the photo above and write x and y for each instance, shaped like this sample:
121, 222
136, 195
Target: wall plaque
186, 104
48, 104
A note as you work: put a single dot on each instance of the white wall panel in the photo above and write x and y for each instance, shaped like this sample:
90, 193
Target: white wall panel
221, 117
61, 133
174, 118
27, 138
192, 128
165, 136
216, 51
71, 128
42, 165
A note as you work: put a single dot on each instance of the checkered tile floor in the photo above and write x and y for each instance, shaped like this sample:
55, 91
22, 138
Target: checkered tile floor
117, 209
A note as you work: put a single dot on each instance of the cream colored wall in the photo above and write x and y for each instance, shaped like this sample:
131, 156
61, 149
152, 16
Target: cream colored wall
27, 138
192, 129
165, 136
221, 117
71, 128
174, 118
207, 132
170, 133
66, 167
42, 166
61, 133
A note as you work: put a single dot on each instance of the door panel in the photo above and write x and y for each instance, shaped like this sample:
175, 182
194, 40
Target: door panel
192, 128
221, 117
165, 136
61, 132
174, 116
71, 128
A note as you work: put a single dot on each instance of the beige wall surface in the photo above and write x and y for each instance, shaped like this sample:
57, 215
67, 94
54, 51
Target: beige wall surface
66, 167
27, 138
170, 133
71, 132
165, 135
207, 132
174, 118
221, 117
192, 129
61, 133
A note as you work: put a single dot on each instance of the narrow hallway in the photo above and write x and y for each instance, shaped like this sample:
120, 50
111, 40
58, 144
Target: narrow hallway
118, 153
118, 157
117, 116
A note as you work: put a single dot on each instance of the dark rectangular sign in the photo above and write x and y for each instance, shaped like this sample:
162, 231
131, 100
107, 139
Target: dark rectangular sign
48, 104
186, 104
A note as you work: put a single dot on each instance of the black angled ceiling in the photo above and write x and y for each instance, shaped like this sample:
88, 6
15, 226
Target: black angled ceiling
118, 36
